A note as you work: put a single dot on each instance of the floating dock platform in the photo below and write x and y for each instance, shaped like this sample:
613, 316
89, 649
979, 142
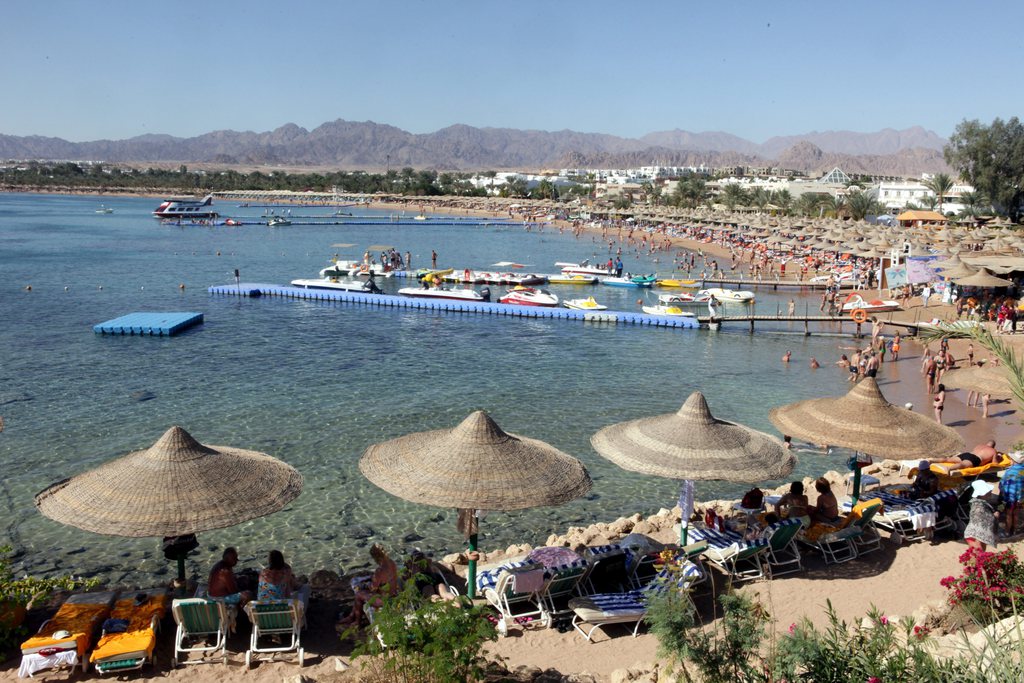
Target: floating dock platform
150, 324
452, 306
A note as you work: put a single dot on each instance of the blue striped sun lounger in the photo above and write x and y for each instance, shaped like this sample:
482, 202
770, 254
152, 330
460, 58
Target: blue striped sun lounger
907, 518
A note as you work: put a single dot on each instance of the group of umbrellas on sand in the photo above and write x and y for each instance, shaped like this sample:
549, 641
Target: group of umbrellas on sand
179, 486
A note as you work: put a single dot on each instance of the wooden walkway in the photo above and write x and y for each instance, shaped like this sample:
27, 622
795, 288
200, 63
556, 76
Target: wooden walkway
708, 321
747, 283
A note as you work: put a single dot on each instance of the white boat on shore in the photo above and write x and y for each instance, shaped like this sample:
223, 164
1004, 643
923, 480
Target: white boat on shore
732, 296
365, 286
443, 293
683, 299
588, 304
856, 301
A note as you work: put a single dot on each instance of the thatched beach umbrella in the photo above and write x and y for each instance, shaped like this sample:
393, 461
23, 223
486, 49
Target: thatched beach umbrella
984, 379
864, 421
691, 444
983, 278
175, 487
475, 466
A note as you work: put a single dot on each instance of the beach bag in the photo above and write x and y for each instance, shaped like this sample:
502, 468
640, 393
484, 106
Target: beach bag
753, 499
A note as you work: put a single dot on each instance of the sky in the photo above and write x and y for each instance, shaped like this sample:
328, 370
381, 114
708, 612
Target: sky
115, 69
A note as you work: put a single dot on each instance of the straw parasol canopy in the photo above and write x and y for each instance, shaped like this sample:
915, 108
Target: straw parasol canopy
985, 379
475, 466
983, 278
175, 487
692, 444
864, 421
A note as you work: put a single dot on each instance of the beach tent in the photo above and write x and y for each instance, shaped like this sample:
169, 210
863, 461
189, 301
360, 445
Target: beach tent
176, 487
863, 421
691, 444
474, 466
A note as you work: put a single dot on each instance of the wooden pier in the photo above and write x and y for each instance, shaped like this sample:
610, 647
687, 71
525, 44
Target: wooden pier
806, 319
747, 283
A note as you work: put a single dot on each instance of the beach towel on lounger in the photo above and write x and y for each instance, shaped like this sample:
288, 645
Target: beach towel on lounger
138, 638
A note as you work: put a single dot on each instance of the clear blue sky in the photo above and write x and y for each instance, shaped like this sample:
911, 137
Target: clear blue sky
113, 69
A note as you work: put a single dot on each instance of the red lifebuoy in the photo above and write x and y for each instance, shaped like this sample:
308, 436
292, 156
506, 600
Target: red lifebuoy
859, 315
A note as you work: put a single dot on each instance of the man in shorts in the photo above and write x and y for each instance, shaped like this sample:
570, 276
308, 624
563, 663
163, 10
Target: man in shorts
223, 584
980, 455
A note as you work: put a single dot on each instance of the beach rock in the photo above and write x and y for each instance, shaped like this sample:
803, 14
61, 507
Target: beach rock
323, 578
633, 674
298, 678
360, 531
518, 549
439, 517
548, 676
411, 538
582, 677
644, 527
621, 526
524, 672
340, 665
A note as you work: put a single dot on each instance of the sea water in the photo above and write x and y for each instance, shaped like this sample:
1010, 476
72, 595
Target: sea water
315, 383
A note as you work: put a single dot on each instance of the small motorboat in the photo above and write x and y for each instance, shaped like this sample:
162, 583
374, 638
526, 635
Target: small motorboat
574, 279
467, 276
278, 221
630, 281
662, 309
732, 296
582, 268
443, 293
419, 217
355, 269
104, 209
529, 296
682, 299
232, 222
673, 282
587, 304
856, 301
365, 286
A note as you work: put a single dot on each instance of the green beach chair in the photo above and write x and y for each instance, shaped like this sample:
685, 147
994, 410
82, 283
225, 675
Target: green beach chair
281, 618
782, 550
199, 619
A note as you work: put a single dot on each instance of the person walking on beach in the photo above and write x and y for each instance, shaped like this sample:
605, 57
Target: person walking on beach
939, 402
931, 369
926, 293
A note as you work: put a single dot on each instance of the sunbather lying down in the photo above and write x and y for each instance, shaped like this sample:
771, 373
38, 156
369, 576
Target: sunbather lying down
980, 455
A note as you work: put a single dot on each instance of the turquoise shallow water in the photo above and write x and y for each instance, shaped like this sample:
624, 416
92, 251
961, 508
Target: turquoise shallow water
314, 383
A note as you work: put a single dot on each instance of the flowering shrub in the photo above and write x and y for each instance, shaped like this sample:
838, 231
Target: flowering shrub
989, 584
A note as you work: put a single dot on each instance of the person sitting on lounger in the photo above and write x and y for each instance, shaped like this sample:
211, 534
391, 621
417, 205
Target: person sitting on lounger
826, 510
926, 483
428, 575
277, 582
794, 505
222, 583
383, 582
980, 455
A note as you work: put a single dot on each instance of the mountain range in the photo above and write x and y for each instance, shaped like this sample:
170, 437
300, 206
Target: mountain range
371, 146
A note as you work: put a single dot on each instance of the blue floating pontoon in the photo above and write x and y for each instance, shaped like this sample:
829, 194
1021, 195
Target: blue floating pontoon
152, 324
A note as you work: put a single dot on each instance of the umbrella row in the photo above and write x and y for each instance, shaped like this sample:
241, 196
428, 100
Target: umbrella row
180, 486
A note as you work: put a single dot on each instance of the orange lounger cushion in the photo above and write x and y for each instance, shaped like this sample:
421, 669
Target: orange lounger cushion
81, 620
1001, 462
139, 638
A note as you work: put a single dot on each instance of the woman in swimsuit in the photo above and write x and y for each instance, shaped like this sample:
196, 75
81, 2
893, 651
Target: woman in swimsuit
939, 402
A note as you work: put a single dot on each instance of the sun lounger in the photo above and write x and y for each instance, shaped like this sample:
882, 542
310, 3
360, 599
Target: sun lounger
275, 618
124, 650
607, 570
199, 619
513, 590
839, 543
605, 609
738, 557
64, 639
782, 549
997, 465
559, 582
907, 519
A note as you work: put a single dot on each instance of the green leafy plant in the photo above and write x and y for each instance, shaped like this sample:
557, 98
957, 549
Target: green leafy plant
20, 594
416, 639
728, 651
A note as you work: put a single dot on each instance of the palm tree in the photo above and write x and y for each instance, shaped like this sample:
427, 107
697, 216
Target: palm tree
940, 184
808, 204
973, 203
862, 204
783, 199
733, 195
759, 197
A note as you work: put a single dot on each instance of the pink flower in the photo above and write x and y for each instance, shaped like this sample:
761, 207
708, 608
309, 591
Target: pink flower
884, 621
792, 629
874, 679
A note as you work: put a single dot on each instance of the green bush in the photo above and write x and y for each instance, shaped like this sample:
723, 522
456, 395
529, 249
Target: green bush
413, 639
25, 592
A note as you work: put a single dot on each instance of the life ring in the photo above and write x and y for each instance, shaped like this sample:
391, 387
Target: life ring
859, 315
364, 268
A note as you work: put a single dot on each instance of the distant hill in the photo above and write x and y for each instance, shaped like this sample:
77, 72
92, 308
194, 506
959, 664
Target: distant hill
368, 145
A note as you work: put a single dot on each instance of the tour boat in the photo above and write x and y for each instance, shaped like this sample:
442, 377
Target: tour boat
582, 268
728, 295
529, 296
278, 221
443, 293
856, 301
662, 309
575, 279
673, 282
365, 286
186, 208
587, 304
629, 281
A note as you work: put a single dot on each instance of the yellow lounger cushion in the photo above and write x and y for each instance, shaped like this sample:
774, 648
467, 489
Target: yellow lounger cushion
139, 639
81, 620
